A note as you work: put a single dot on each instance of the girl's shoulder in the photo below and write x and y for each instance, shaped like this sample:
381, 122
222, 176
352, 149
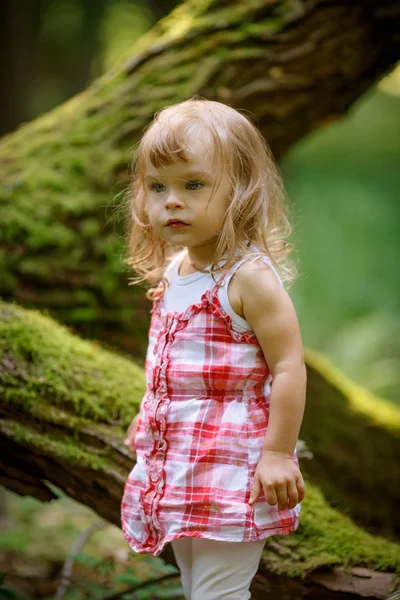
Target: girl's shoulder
255, 263
255, 275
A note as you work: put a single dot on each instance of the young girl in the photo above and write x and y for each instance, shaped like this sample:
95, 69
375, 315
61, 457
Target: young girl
216, 468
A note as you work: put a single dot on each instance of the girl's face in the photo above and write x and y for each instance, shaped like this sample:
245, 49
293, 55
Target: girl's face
182, 191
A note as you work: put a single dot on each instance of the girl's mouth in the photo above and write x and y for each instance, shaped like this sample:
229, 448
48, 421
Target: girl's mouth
176, 224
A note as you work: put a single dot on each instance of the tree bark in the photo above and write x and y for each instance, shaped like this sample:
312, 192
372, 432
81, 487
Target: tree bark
66, 404
293, 66
355, 439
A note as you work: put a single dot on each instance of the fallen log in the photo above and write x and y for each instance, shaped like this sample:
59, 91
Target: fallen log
65, 404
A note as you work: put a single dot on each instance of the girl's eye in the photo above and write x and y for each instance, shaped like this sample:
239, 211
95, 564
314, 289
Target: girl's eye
194, 185
157, 187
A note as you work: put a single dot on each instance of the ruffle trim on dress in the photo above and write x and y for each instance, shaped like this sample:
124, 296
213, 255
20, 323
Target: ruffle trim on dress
155, 468
246, 336
209, 297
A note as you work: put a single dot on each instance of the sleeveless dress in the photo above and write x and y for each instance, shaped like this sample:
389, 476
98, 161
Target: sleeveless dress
200, 432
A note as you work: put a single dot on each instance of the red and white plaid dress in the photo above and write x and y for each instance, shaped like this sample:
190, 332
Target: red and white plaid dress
200, 433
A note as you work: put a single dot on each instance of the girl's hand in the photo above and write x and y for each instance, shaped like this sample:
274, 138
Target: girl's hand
130, 437
280, 479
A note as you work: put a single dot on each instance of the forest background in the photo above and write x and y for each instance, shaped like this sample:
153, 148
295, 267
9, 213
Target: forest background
342, 182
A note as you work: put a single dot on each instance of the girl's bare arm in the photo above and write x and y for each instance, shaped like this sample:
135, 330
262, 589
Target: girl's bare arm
269, 310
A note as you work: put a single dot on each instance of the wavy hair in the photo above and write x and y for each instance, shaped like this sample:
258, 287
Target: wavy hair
256, 211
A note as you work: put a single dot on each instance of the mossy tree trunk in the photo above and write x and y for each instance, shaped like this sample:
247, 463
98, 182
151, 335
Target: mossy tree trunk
65, 406
294, 65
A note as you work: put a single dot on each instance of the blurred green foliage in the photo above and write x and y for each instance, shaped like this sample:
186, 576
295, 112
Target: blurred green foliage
122, 24
78, 41
344, 183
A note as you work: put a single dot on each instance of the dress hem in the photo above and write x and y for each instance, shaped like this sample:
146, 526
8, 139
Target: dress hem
170, 538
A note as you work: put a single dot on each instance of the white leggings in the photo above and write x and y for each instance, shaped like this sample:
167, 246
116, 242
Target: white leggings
213, 570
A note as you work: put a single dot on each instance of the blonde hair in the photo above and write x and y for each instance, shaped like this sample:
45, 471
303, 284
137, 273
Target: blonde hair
256, 211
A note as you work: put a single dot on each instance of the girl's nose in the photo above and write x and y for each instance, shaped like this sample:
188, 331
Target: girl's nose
172, 200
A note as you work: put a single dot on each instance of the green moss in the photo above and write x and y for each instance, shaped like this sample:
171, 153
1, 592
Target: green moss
262, 28
65, 451
355, 440
247, 53
360, 400
75, 375
327, 537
